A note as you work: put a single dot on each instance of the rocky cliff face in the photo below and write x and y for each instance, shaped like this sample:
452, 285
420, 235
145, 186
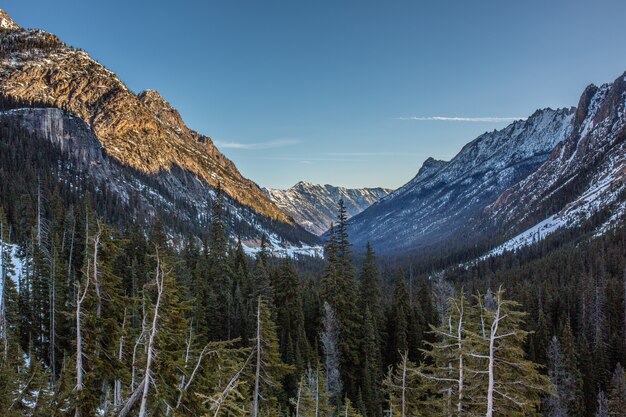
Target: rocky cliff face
583, 175
314, 206
135, 143
444, 196
141, 130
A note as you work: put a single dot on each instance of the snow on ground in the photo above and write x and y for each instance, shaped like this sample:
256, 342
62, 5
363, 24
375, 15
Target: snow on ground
603, 193
278, 248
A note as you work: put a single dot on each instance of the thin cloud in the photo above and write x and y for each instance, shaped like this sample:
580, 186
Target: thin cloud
463, 119
373, 154
278, 143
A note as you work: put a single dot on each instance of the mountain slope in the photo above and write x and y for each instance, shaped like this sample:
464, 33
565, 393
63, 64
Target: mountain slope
140, 131
444, 196
584, 175
314, 206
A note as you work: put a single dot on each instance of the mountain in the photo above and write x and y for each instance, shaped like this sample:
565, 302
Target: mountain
314, 206
445, 195
584, 176
145, 147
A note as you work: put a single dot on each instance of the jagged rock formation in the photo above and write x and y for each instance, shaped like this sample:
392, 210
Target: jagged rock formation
557, 169
314, 206
444, 196
584, 175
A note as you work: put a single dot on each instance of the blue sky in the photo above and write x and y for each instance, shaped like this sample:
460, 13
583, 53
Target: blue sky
324, 91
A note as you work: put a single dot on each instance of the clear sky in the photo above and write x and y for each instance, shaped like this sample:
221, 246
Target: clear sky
324, 91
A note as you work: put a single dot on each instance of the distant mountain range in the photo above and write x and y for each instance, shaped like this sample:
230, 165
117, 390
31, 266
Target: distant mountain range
556, 169
314, 206
136, 144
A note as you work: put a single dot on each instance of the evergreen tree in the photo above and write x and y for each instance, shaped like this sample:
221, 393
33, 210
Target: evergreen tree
400, 386
269, 369
339, 290
447, 371
510, 383
220, 302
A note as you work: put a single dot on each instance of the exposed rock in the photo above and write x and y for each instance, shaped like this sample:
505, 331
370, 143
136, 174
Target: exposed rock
314, 206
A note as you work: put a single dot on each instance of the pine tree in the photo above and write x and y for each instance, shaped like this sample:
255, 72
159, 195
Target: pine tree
292, 339
399, 318
510, 383
557, 404
339, 290
269, 369
400, 386
371, 367
447, 371
220, 301
574, 384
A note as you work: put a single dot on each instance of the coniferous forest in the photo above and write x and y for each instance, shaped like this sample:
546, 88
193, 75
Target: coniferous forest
110, 320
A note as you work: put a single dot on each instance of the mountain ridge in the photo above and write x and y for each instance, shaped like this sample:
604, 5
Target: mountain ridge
314, 206
443, 196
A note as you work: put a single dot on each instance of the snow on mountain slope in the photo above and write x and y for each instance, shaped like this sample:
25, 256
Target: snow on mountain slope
443, 196
140, 131
583, 175
314, 206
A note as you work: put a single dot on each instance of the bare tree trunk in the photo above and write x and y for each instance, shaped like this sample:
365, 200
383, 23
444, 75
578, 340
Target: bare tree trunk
459, 335
153, 330
79, 340
492, 349
137, 342
217, 404
186, 386
96, 280
298, 399
52, 299
134, 397
255, 401
404, 383
317, 390
117, 388
3, 274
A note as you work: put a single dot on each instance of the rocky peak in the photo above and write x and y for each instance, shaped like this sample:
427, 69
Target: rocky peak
162, 109
430, 166
6, 22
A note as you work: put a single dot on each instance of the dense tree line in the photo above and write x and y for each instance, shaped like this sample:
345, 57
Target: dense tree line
120, 322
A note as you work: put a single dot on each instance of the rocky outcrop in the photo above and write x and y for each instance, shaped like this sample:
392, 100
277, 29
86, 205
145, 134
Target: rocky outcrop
142, 131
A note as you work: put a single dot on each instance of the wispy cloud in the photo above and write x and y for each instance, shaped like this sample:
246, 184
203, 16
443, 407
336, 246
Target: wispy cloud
463, 119
278, 143
409, 154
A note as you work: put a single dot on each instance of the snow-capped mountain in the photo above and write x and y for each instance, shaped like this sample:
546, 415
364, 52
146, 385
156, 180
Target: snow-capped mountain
138, 143
444, 196
314, 206
584, 175
556, 169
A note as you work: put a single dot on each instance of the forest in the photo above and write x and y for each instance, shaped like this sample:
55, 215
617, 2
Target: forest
102, 314
117, 322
